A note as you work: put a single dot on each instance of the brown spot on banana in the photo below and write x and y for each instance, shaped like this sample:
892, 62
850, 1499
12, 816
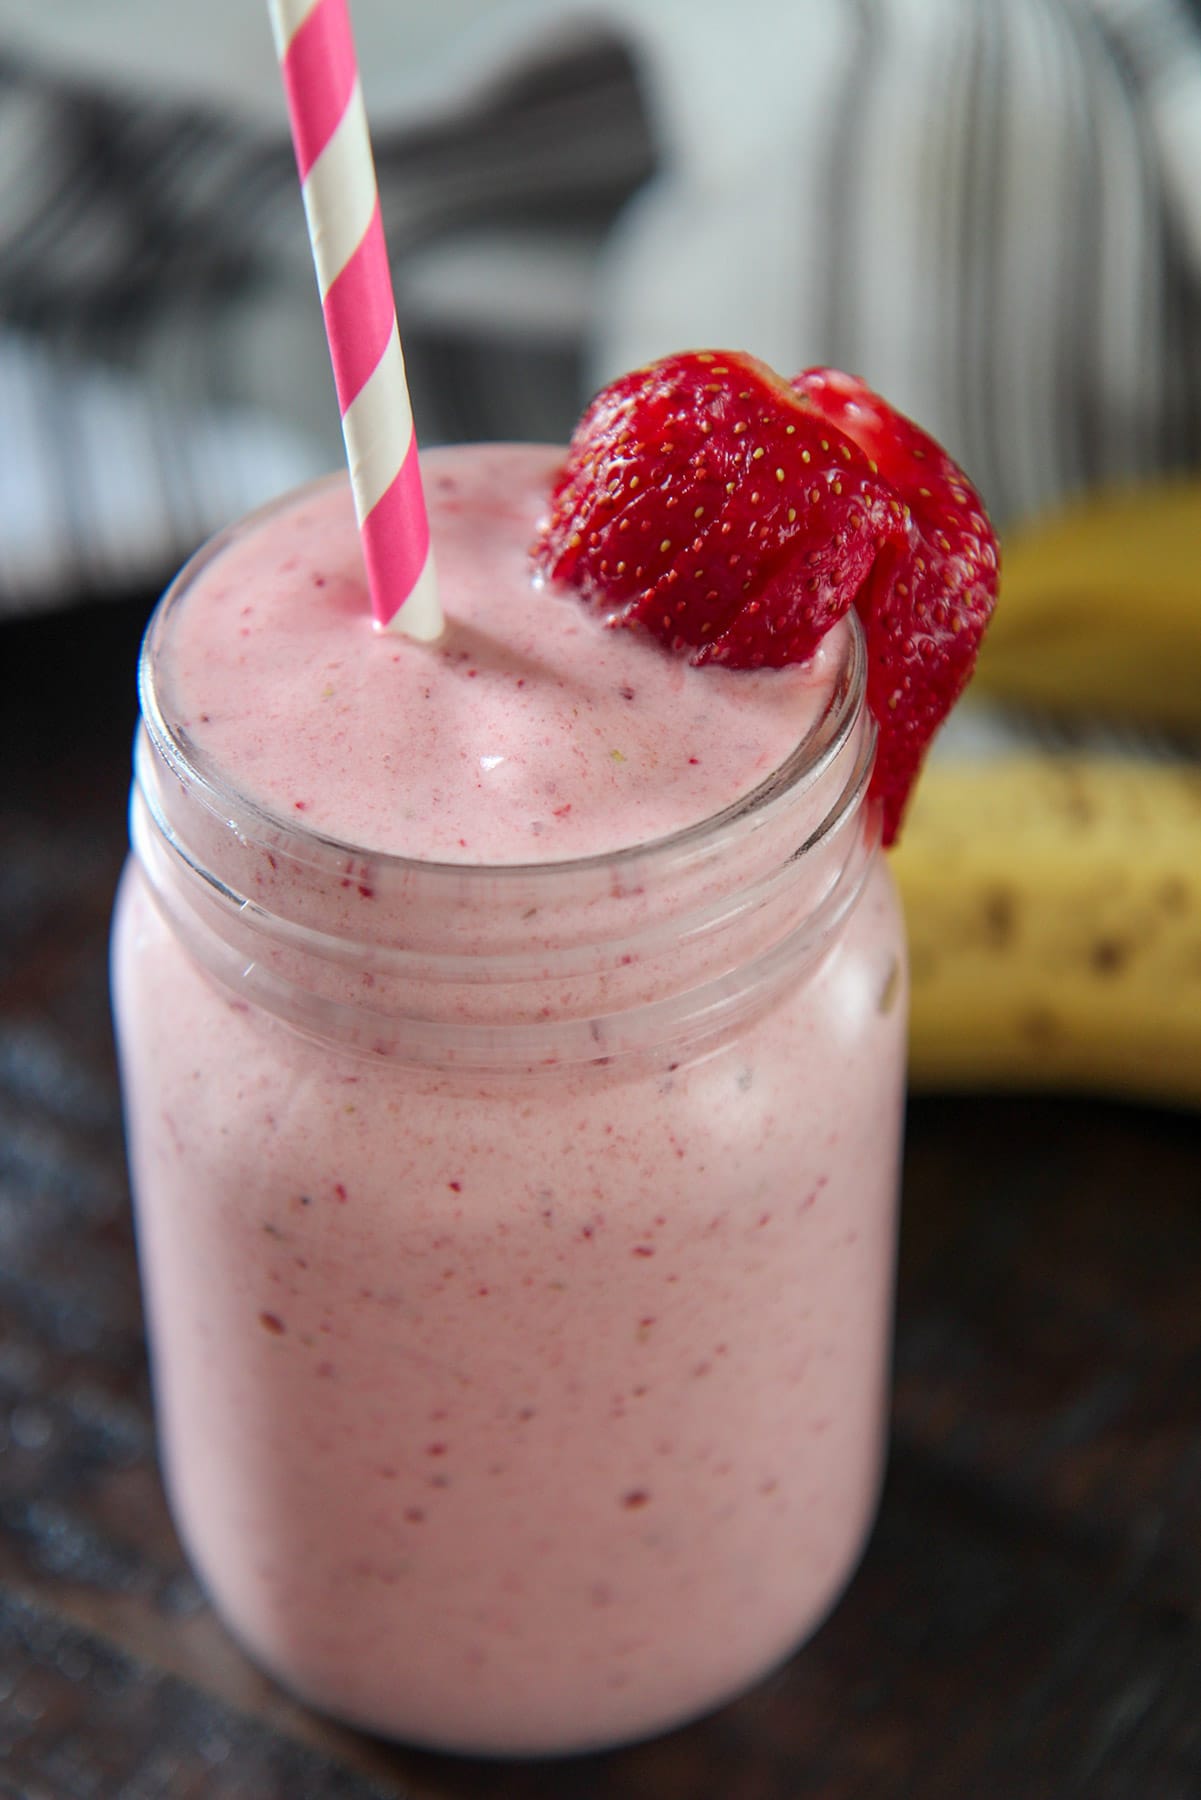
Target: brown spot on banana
1174, 895
1109, 956
1040, 1027
1000, 917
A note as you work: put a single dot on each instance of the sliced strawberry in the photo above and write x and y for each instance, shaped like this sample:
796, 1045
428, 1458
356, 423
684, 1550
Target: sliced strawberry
925, 614
702, 499
738, 517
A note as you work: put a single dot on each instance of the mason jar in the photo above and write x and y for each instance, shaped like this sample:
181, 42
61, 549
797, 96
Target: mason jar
517, 1248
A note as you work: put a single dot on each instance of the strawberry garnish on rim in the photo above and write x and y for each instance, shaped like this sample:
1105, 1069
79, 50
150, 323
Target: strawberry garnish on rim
925, 614
703, 499
737, 517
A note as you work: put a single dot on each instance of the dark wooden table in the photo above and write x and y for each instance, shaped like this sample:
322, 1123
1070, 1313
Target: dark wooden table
1027, 1621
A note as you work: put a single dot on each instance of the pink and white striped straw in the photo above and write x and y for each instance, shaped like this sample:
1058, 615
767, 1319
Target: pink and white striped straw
315, 45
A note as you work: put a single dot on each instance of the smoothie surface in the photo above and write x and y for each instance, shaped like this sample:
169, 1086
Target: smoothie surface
530, 732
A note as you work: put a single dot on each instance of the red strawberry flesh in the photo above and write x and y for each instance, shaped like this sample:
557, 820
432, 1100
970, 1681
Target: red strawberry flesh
700, 499
925, 615
737, 517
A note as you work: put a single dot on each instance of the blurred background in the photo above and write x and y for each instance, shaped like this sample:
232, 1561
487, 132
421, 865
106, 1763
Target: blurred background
990, 210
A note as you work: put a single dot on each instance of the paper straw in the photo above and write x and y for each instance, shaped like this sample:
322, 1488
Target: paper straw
315, 45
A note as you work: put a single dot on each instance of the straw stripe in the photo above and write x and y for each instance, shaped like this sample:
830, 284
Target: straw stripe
360, 318
341, 202
380, 433
340, 194
287, 16
396, 542
318, 72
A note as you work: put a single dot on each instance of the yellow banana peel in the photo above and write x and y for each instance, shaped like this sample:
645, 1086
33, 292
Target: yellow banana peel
1054, 901
1100, 610
1054, 915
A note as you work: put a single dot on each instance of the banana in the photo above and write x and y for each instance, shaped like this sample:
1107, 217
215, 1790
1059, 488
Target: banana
1100, 610
1054, 914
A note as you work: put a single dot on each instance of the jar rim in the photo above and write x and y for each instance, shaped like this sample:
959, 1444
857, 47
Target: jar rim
818, 747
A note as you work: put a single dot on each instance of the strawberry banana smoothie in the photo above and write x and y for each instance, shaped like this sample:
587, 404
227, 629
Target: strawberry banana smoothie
512, 1037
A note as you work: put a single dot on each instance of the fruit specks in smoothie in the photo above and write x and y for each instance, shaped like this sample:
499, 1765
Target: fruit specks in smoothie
272, 1323
521, 696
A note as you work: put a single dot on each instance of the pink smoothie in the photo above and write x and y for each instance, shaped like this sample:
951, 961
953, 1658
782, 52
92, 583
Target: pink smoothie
530, 732
510, 1400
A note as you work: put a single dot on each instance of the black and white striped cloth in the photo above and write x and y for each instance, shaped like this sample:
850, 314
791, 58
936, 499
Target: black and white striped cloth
989, 208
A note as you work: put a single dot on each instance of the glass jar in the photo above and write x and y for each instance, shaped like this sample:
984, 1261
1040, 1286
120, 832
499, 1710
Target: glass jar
518, 1248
